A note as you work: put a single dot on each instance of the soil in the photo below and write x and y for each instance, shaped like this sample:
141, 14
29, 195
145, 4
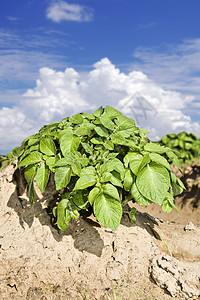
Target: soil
89, 261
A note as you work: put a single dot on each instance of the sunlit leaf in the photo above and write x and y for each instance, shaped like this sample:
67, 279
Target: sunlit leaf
153, 182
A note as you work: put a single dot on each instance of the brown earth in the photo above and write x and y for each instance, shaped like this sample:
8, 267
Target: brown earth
89, 261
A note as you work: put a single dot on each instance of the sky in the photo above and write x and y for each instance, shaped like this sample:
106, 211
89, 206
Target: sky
58, 58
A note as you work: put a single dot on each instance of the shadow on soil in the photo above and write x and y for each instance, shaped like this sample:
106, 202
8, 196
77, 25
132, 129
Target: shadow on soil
83, 231
191, 180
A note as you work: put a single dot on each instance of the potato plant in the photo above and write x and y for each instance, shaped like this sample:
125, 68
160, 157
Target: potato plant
100, 161
186, 145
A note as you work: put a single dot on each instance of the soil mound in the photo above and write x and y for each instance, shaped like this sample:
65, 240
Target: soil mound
87, 261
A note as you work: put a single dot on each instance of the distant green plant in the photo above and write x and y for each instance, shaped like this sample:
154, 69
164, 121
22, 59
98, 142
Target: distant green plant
10, 158
100, 161
186, 145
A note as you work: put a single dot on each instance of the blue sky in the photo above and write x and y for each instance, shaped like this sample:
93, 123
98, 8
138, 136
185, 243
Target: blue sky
113, 50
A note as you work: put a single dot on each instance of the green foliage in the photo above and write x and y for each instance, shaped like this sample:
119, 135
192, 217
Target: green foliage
186, 145
101, 161
10, 158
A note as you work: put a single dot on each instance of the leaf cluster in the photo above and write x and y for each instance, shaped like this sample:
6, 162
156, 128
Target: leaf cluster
100, 161
10, 158
186, 145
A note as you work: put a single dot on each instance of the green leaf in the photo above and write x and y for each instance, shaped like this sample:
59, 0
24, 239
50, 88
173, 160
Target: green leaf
31, 191
69, 143
173, 177
97, 140
110, 190
62, 177
166, 206
135, 164
125, 126
119, 139
88, 116
143, 132
98, 112
76, 119
112, 155
107, 210
188, 146
153, 182
180, 183
88, 171
29, 173
64, 162
101, 131
33, 158
115, 164
177, 190
32, 141
174, 159
47, 146
107, 176
146, 159
160, 160
63, 214
177, 164
42, 176
79, 201
54, 211
106, 122
132, 214
4, 162
153, 147
111, 112
65, 130
85, 181
74, 214
181, 144
128, 180
125, 123
50, 162
88, 148
29, 150
165, 139
131, 156
139, 198
93, 194
84, 161
108, 145
85, 129
76, 167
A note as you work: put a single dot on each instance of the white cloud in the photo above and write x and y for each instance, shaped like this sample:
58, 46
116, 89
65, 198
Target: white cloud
12, 19
175, 66
60, 94
63, 11
21, 57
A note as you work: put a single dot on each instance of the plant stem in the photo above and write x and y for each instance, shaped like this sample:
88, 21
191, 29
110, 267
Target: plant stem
170, 253
127, 200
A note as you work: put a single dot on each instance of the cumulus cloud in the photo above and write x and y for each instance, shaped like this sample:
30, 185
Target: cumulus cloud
63, 11
60, 94
175, 66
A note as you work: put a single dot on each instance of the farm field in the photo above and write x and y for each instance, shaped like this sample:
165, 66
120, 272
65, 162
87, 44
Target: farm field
99, 150
88, 261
